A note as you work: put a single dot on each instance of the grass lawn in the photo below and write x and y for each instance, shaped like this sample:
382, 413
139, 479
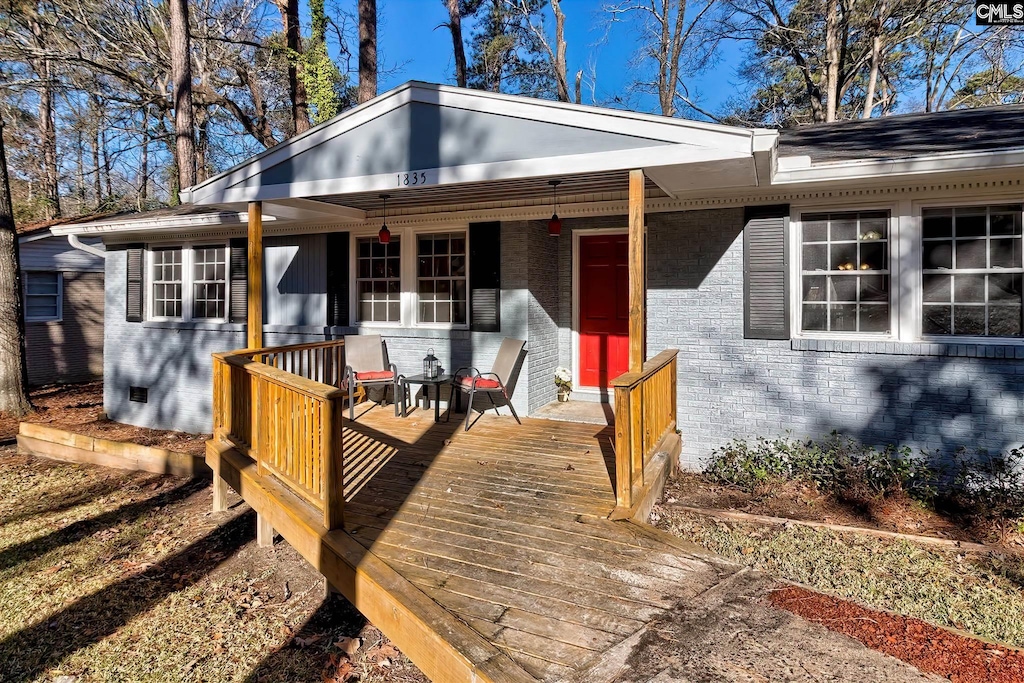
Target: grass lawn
983, 595
108, 575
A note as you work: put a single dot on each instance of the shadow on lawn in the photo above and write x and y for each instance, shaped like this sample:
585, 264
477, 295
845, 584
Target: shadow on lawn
335, 618
28, 550
59, 501
31, 651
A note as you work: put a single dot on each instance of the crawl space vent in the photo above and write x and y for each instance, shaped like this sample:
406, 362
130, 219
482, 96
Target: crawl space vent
138, 394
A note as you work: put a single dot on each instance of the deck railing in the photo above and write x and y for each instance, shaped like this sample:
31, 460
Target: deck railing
645, 413
281, 407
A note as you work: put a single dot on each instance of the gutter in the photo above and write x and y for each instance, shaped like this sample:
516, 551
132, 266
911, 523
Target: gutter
88, 248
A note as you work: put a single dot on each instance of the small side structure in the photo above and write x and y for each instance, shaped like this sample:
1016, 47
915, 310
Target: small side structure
63, 294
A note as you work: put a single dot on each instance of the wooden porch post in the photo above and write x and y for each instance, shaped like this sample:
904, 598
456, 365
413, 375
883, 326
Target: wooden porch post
255, 285
637, 274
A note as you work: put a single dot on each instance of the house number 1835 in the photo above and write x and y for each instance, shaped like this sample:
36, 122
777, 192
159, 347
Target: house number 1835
404, 179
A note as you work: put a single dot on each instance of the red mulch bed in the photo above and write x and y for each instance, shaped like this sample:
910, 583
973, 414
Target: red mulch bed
935, 650
79, 408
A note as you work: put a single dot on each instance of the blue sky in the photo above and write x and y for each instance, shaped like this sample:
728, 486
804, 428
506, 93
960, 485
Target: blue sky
408, 39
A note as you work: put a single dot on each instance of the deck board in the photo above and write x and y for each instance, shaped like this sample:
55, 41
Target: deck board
505, 526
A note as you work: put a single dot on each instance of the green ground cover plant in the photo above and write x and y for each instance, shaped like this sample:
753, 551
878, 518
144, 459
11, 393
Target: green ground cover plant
977, 485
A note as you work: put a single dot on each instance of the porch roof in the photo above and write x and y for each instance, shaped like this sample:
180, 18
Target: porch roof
425, 135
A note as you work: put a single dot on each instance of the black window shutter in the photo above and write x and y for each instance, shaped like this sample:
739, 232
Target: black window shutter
765, 278
485, 277
238, 273
337, 279
135, 290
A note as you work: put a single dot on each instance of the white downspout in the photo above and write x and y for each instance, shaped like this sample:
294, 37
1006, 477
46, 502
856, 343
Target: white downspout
88, 248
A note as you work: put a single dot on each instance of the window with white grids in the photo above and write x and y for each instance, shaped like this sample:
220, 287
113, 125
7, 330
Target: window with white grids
379, 280
972, 269
441, 278
209, 282
167, 272
42, 296
845, 272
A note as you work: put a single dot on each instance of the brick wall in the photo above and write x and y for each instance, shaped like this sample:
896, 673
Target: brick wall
173, 360
923, 395
70, 350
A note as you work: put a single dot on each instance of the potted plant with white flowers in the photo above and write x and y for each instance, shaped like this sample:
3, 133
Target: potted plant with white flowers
563, 380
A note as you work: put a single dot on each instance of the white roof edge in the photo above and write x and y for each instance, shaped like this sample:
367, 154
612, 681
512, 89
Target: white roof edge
156, 223
514, 105
795, 169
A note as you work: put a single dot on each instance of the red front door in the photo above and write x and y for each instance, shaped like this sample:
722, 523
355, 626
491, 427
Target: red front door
604, 308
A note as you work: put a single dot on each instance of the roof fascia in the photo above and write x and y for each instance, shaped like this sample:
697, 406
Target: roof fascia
792, 173
648, 157
160, 223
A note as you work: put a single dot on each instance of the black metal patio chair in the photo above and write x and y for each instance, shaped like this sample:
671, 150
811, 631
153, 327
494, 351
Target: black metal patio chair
366, 365
499, 381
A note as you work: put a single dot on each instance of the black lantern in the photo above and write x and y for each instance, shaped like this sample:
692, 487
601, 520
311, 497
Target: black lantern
431, 365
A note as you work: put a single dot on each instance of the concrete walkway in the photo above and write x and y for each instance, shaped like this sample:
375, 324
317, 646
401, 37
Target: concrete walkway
731, 633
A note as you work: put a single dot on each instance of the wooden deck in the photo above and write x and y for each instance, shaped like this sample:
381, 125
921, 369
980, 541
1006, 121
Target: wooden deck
506, 529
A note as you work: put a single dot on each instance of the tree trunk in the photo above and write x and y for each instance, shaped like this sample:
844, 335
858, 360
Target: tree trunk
458, 47
80, 159
876, 57
47, 129
181, 73
13, 370
579, 87
106, 163
367, 51
296, 87
831, 85
561, 80
48, 136
202, 147
144, 161
97, 178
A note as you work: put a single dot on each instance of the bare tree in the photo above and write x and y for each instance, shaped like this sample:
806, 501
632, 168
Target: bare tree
367, 51
555, 54
181, 73
13, 370
47, 128
674, 41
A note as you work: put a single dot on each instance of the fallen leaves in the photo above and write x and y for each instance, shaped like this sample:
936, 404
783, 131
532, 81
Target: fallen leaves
350, 646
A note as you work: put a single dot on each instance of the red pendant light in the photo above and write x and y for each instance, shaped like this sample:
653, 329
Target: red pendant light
384, 236
555, 224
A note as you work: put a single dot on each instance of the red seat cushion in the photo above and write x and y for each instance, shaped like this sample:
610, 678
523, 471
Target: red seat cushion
374, 375
481, 382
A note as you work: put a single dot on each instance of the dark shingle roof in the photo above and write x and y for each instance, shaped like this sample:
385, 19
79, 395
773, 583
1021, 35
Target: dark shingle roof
907, 135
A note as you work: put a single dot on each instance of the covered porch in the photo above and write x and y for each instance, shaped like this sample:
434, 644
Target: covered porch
506, 552
487, 554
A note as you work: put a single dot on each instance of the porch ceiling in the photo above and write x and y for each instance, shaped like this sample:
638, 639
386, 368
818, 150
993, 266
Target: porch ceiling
496, 193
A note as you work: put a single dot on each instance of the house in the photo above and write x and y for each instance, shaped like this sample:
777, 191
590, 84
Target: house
719, 281
862, 276
62, 287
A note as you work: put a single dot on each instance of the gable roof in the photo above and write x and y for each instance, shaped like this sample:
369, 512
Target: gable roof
442, 135
908, 135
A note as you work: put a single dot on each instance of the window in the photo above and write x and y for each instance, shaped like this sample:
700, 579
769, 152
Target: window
209, 282
189, 283
378, 280
441, 277
167, 290
972, 269
42, 296
845, 272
